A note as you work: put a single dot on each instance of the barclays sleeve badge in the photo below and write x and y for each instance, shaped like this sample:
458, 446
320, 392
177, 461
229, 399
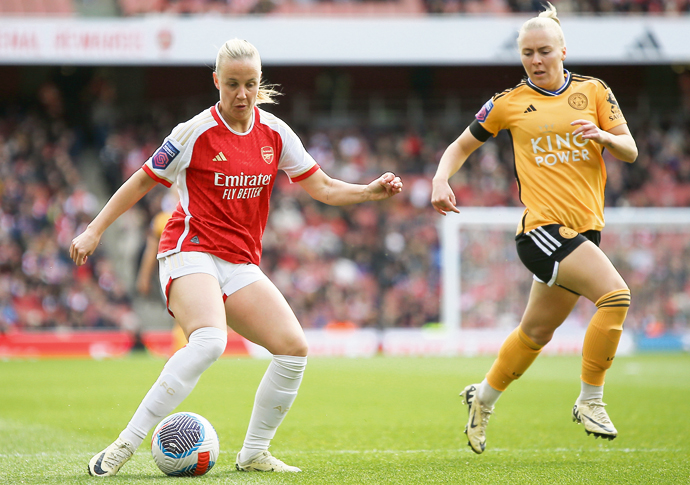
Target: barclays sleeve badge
164, 156
484, 112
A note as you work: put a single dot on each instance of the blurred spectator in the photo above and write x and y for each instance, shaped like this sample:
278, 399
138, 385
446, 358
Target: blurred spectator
379, 265
42, 203
400, 7
374, 265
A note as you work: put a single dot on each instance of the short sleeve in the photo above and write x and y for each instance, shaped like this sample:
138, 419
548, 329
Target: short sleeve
479, 132
489, 118
174, 154
608, 110
163, 165
295, 161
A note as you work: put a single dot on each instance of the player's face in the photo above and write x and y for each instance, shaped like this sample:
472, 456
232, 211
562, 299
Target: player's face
542, 57
238, 83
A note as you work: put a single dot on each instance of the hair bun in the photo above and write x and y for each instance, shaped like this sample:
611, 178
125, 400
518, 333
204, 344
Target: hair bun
550, 13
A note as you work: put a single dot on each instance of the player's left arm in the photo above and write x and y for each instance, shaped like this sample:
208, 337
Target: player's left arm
617, 140
336, 192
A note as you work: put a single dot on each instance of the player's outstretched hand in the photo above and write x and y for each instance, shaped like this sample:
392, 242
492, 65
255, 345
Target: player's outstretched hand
83, 246
387, 185
443, 198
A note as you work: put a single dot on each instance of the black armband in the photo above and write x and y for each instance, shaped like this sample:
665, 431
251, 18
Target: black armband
479, 132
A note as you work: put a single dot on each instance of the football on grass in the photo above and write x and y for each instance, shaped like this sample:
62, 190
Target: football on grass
185, 445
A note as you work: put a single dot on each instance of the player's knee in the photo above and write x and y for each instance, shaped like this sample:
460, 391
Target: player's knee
620, 298
212, 341
538, 335
297, 347
541, 335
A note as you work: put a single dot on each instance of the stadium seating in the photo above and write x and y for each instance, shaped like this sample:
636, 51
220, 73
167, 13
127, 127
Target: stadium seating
389, 8
375, 265
37, 7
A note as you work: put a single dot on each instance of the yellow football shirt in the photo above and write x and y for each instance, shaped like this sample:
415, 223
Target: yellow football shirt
561, 177
159, 221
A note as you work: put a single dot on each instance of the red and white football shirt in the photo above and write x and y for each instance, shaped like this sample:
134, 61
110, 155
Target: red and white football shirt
225, 179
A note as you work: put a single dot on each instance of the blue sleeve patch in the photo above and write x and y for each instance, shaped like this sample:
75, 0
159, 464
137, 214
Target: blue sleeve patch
164, 156
484, 112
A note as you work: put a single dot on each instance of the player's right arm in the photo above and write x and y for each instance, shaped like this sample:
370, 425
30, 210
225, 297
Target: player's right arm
442, 196
126, 196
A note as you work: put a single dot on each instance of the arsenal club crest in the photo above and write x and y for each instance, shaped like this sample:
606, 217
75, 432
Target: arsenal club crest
267, 154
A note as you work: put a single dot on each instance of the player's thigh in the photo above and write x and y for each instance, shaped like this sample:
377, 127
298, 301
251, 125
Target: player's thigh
589, 272
547, 308
196, 301
260, 313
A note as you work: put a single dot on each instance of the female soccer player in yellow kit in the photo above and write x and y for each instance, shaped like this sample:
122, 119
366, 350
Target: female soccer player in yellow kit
560, 123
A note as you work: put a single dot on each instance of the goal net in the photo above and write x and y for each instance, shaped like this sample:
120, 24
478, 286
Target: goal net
485, 286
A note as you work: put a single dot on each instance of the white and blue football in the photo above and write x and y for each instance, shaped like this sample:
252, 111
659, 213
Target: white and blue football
185, 445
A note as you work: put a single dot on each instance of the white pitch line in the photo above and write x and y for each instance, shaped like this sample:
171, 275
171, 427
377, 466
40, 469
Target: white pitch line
396, 452
496, 450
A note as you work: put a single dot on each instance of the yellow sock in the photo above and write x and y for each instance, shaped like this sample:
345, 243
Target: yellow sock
603, 334
516, 355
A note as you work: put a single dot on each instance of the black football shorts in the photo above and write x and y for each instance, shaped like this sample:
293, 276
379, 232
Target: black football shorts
543, 248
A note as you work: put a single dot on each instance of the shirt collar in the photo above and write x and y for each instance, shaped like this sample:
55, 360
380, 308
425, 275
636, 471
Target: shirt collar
546, 92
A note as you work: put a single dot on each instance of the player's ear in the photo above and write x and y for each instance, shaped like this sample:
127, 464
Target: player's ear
563, 56
216, 83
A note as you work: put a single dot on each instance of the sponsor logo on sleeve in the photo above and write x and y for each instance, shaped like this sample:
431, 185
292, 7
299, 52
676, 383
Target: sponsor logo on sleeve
615, 109
164, 156
484, 112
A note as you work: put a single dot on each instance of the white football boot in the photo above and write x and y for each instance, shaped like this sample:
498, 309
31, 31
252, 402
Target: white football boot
592, 415
264, 462
478, 419
108, 462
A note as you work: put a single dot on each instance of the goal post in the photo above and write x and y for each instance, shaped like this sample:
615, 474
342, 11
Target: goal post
628, 223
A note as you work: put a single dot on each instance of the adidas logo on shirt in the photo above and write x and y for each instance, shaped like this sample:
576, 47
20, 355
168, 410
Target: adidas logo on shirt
529, 109
220, 158
195, 240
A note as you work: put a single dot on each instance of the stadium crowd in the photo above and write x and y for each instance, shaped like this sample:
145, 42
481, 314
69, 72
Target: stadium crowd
369, 265
396, 7
44, 202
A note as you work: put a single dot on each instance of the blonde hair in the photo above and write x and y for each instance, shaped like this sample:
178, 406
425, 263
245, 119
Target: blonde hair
548, 19
239, 49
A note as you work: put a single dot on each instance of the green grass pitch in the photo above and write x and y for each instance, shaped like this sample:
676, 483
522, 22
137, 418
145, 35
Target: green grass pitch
359, 421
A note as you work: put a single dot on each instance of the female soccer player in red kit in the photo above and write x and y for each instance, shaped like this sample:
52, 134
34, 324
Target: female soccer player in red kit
560, 124
225, 161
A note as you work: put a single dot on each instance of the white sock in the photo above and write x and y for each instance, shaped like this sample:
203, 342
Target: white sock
588, 392
176, 381
487, 395
276, 393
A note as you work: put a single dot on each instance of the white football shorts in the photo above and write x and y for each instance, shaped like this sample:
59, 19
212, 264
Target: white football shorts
231, 277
